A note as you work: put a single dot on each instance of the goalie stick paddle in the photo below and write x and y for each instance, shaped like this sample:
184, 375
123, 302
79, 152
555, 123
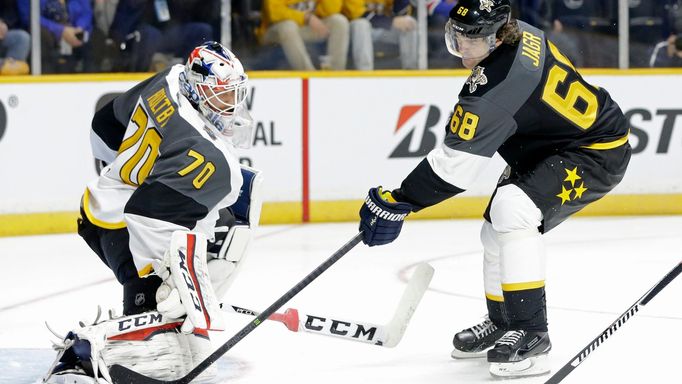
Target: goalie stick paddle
122, 375
585, 352
385, 335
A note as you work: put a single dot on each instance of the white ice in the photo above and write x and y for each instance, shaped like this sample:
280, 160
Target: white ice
597, 268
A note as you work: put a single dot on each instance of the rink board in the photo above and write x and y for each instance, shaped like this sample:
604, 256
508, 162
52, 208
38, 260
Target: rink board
322, 139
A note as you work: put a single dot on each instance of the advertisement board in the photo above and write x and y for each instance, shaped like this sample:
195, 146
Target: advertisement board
321, 140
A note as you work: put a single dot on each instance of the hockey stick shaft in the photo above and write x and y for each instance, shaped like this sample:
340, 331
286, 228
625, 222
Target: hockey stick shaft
585, 352
386, 335
123, 375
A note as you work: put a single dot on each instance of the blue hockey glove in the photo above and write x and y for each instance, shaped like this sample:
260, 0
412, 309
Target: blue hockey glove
381, 217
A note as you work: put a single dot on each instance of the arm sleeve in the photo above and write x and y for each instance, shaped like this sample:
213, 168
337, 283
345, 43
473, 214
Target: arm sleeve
106, 134
353, 9
424, 188
24, 8
455, 165
278, 11
327, 8
84, 16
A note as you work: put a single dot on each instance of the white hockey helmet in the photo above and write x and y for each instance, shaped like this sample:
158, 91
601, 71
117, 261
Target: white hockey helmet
215, 82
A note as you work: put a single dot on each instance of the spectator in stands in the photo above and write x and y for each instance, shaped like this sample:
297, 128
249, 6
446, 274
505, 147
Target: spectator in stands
534, 12
649, 25
106, 51
583, 31
155, 34
14, 43
66, 27
670, 55
439, 57
381, 21
290, 23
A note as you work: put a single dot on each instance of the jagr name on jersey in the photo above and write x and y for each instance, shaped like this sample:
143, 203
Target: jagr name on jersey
531, 47
161, 107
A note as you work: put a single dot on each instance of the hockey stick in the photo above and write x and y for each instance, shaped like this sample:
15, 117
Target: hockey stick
122, 375
386, 335
580, 357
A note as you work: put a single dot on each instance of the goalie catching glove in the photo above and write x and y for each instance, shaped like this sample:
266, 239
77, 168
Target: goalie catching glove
381, 217
186, 289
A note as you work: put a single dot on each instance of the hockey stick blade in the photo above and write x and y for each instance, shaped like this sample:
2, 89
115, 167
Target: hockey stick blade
386, 335
122, 375
616, 325
413, 294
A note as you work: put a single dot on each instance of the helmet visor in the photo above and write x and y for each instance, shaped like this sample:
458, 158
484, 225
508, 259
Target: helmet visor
467, 47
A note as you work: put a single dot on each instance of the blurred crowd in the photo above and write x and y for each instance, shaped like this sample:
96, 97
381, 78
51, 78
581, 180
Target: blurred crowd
79, 36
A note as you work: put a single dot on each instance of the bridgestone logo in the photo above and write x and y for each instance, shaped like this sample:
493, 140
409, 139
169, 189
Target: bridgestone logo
383, 214
605, 335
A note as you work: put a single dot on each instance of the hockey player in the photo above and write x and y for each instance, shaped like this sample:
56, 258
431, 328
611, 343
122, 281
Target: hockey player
157, 216
566, 145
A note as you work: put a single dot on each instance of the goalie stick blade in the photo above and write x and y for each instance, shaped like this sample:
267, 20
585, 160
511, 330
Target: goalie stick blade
413, 294
122, 375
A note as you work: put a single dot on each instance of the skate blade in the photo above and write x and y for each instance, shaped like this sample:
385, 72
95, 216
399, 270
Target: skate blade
457, 354
532, 366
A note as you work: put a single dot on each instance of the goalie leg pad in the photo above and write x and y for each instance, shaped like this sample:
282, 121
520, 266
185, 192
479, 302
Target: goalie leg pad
148, 343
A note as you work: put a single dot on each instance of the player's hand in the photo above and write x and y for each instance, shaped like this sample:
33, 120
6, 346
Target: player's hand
381, 217
404, 23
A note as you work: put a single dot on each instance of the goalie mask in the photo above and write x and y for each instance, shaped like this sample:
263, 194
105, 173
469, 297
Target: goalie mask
470, 32
215, 82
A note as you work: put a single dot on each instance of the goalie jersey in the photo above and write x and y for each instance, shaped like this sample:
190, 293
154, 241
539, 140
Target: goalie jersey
166, 170
526, 102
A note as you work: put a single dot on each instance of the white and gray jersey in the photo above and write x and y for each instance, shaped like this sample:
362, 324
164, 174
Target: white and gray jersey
166, 170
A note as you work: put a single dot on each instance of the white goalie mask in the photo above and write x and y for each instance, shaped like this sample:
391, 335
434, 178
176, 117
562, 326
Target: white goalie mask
215, 82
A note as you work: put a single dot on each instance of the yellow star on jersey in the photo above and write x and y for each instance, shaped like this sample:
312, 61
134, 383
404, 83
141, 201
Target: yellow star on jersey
565, 195
579, 191
572, 176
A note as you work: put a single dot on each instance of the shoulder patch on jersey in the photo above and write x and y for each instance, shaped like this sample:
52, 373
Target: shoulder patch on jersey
476, 78
486, 5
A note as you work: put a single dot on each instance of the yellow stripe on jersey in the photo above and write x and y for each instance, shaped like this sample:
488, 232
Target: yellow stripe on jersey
492, 297
93, 219
559, 56
608, 145
146, 270
510, 287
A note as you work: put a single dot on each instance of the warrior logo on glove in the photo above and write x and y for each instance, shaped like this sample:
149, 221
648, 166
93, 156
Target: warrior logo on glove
381, 217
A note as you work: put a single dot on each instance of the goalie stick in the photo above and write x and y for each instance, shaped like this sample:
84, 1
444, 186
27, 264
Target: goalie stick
122, 375
386, 335
585, 352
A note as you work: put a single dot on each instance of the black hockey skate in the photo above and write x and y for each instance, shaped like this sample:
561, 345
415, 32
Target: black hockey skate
520, 353
475, 341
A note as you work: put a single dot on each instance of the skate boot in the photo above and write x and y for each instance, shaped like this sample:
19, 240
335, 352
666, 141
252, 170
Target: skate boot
520, 353
475, 341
